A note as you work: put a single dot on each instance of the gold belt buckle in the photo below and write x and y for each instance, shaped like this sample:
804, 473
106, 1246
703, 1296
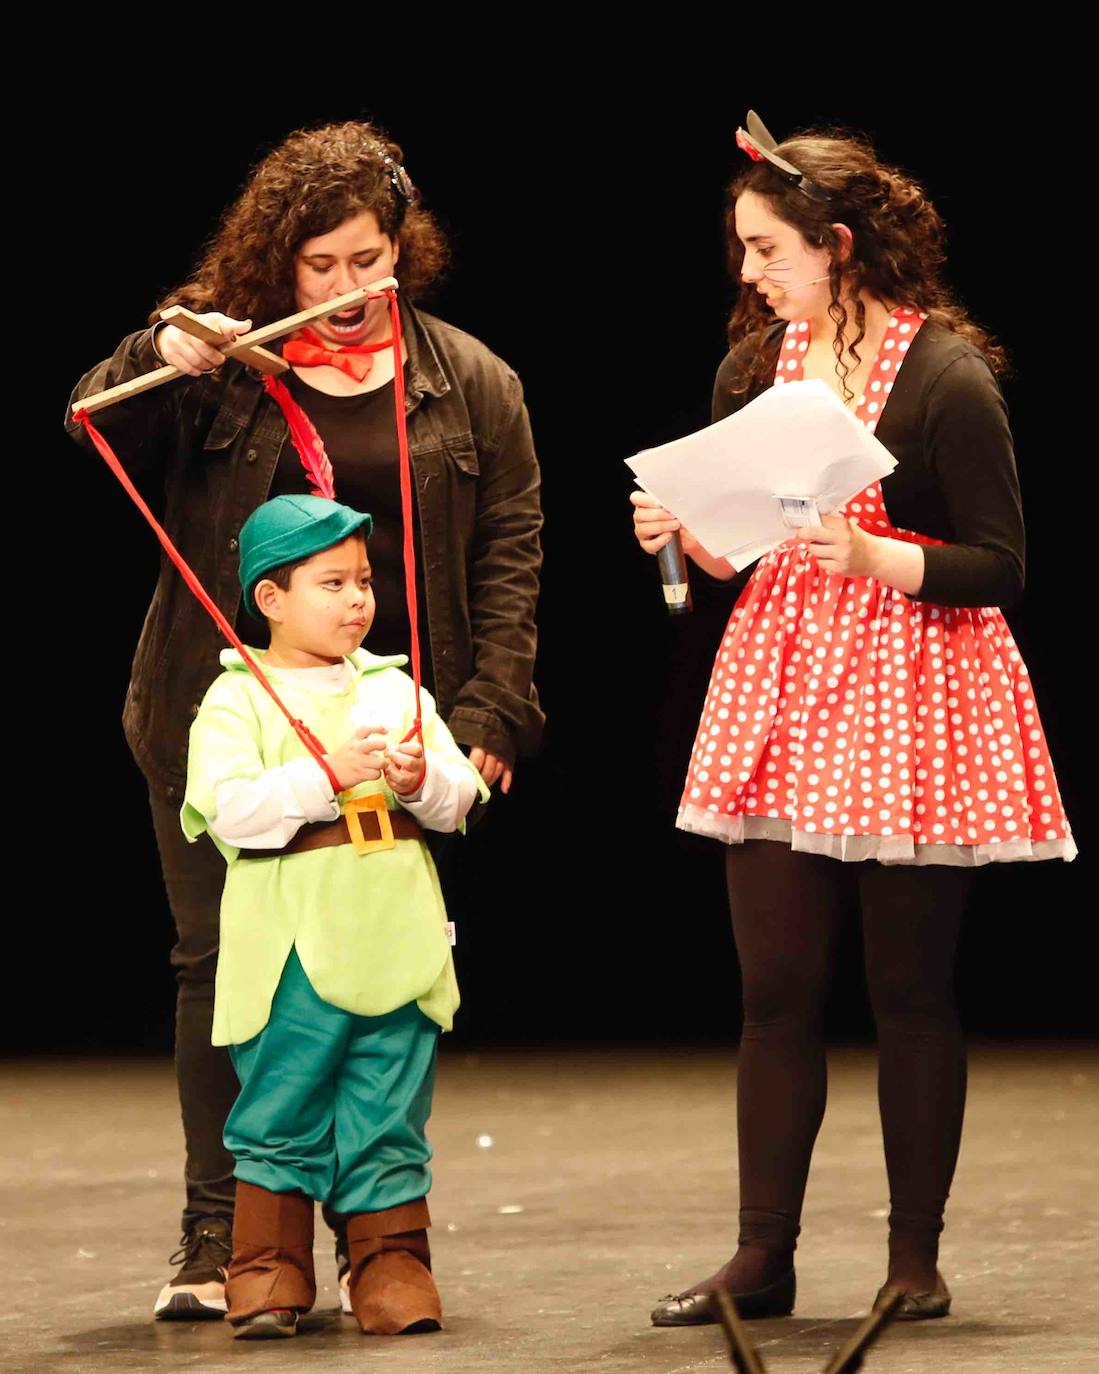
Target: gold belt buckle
351, 813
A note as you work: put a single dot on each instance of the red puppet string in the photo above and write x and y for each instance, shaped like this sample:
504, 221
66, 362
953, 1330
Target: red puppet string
406, 513
315, 460
311, 450
314, 746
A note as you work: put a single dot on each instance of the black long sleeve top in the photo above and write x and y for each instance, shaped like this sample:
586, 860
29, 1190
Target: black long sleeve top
946, 424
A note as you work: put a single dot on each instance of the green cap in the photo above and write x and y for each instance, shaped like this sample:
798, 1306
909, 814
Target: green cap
288, 529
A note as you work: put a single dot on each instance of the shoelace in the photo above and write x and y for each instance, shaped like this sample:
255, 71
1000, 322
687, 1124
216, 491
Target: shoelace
210, 1244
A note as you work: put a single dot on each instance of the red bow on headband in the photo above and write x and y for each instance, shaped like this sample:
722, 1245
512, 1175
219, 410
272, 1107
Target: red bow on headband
745, 144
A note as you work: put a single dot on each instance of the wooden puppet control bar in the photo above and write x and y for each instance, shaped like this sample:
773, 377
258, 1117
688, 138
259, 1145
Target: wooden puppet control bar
250, 352
248, 348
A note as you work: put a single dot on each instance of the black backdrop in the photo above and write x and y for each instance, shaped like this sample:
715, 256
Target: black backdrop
588, 252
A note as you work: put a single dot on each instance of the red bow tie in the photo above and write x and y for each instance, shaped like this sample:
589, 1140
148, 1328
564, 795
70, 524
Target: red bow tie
310, 350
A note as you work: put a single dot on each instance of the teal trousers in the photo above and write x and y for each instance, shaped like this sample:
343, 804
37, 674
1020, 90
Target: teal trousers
332, 1104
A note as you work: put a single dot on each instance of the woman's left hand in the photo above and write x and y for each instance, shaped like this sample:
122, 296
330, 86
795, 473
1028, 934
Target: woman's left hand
840, 546
491, 768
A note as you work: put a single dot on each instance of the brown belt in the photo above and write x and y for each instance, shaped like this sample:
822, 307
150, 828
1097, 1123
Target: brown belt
361, 825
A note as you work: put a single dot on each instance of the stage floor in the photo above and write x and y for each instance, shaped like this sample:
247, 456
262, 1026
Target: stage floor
609, 1181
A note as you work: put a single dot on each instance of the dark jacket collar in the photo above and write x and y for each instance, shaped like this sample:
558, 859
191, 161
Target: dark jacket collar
425, 371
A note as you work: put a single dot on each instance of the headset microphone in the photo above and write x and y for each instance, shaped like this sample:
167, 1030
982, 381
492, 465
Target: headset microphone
785, 290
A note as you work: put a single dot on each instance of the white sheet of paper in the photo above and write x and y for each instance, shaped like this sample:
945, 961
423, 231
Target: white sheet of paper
724, 482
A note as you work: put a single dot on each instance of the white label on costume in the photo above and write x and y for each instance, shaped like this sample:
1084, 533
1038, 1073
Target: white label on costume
451, 933
675, 593
799, 511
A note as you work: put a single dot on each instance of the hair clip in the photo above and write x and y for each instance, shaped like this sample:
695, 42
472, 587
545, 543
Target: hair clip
760, 145
399, 179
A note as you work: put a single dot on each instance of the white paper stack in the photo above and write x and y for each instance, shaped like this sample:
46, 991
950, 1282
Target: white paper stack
724, 483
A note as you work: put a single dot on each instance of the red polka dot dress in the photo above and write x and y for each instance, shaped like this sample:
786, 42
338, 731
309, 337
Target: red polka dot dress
845, 719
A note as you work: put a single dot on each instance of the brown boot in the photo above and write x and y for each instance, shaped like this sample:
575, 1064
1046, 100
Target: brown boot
392, 1290
272, 1265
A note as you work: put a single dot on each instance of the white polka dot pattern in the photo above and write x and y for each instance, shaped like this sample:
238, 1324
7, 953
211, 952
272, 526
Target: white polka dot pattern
842, 707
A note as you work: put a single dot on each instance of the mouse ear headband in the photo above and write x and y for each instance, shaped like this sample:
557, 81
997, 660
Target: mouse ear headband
759, 144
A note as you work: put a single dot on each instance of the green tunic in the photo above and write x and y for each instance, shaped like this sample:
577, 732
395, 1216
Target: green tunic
369, 930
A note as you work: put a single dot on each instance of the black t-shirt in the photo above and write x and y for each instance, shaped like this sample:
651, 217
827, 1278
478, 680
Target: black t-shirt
359, 434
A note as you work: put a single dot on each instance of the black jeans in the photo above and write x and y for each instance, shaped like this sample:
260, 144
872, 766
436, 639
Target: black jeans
194, 875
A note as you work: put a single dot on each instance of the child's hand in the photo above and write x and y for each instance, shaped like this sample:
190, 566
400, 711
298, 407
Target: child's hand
361, 759
404, 768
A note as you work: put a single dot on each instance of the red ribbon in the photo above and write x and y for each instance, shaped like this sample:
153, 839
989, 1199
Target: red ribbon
295, 417
745, 144
190, 577
312, 744
405, 462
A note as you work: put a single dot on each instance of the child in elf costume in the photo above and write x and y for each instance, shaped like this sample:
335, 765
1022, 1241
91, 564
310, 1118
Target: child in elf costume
335, 973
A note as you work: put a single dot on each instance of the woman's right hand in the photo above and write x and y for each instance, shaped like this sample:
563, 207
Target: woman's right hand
654, 526
191, 355
361, 759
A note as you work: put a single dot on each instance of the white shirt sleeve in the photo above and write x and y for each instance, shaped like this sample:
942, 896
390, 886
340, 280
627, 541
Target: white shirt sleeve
268, 811
447, 793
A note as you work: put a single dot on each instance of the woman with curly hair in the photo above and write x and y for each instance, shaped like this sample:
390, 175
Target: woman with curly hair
328, 211
869, 736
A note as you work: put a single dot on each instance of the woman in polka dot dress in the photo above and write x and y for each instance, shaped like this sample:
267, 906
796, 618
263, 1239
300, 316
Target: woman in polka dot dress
869, 734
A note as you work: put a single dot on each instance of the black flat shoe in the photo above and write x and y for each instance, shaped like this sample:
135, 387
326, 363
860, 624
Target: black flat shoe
699, 1309
919, 1306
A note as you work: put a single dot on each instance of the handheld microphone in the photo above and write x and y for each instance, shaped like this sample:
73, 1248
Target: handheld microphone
673, 574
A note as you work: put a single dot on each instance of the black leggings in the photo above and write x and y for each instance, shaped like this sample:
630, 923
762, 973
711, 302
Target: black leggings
786, 909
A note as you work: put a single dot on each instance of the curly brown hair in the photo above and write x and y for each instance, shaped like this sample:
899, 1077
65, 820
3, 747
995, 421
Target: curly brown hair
897, 253
314, 181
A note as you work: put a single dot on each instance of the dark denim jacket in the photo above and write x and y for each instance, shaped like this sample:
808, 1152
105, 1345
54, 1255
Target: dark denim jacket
210, 447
